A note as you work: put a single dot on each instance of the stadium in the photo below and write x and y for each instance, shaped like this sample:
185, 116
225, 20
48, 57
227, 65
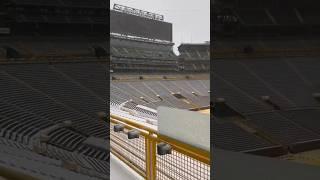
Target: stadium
146, 76
265, 83
49, 126
54, 73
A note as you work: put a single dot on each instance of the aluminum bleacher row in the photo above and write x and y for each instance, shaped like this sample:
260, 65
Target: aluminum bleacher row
42, 118
155, 93
136, 49
196, 57
267, 106
54, 12
62, 3
279, 13
195, 51
142, 55
130, 55
29, 47
29, 163
50, 111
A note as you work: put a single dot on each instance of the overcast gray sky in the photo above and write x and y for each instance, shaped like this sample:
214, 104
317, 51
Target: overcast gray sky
190, 18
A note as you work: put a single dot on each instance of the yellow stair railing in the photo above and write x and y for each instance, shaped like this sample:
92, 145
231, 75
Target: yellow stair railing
183, 162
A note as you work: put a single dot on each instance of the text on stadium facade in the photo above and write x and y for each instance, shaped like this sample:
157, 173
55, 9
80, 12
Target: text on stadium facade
138, 12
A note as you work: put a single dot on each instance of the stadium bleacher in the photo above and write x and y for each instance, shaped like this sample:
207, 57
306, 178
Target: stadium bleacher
266, 19
195, 57
244, 83
49, 103
265, 77
33, 103
140, 55
146, 74
64, 122
134, 55
54, 70
155, 93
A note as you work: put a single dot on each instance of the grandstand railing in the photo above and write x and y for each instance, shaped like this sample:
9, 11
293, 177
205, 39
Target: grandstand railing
140, 39
184, 162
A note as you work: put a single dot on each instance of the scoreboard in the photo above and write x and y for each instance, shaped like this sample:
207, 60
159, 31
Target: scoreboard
140, 23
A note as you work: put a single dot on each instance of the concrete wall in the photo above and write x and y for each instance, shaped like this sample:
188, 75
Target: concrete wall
187, 126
